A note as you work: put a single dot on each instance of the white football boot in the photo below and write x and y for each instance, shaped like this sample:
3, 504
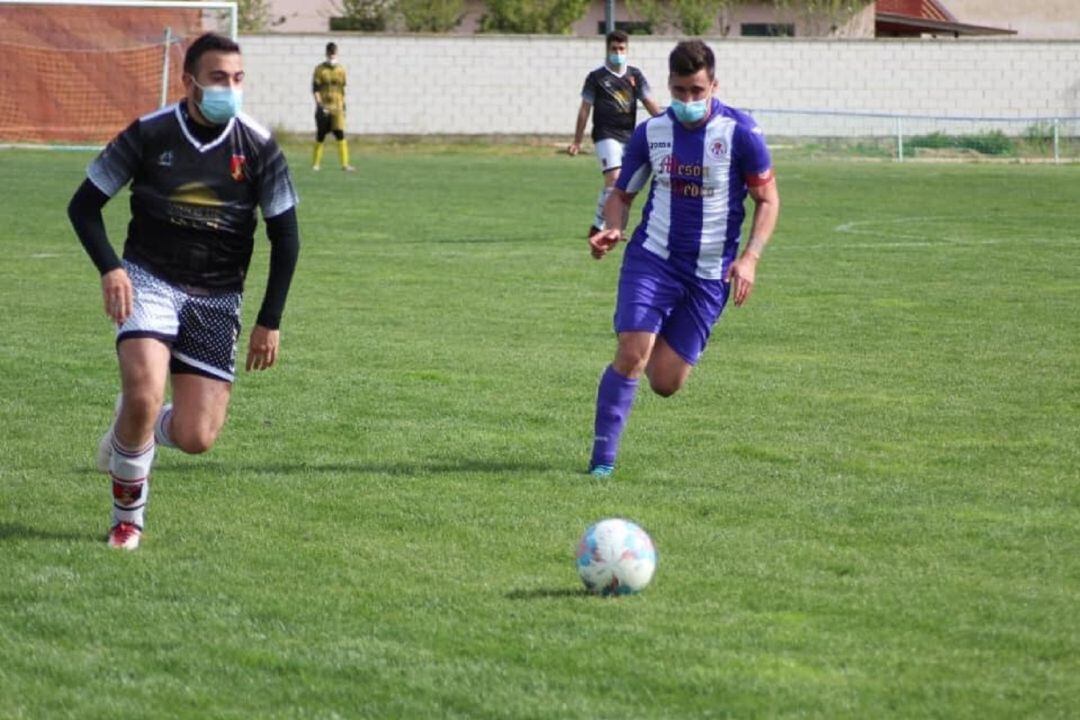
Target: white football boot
125, 536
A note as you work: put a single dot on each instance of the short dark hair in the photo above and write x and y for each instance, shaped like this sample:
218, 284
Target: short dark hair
331, 48
689, 56
210, 42
616, 36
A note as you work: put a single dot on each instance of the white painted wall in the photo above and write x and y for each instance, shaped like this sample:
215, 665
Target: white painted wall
1034, 19
495, 84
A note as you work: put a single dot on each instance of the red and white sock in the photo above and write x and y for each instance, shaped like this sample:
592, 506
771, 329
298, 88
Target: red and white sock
161, 427
130, 471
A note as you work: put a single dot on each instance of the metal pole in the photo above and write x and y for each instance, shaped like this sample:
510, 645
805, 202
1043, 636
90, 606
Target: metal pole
165, 68
609, 16
900, 139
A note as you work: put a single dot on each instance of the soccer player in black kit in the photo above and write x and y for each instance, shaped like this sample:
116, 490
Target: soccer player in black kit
611, 92
198, 170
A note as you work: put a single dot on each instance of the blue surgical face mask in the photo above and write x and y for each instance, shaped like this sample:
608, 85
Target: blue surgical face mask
616, 59
220, 104
690, 112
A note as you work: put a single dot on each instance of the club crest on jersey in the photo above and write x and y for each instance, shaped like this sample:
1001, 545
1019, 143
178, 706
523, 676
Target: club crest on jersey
236, 167
717, 149
165, 159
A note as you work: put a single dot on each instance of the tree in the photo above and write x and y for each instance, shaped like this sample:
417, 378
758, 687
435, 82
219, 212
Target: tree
688, 17
532, 16
431, 15
368, 15
253, 16
696, 17
824, 17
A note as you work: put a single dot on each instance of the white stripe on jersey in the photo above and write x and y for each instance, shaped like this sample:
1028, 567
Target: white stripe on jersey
661, 136
194, 141
715, 201
160, 111
252, 123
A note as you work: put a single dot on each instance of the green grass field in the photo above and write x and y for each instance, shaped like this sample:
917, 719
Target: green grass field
866, 501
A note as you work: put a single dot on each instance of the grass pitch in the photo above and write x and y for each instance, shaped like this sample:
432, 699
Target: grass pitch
866, 501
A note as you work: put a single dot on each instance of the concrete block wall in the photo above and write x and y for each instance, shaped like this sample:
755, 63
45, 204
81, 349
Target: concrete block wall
496, 84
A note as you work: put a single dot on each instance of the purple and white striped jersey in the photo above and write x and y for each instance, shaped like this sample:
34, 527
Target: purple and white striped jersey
694, 214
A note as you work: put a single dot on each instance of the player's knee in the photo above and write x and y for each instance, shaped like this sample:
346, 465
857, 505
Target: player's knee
665, 387
193, 441
629, 363
142, 406
339, 134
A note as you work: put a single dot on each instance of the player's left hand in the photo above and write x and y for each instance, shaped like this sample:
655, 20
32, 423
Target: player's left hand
262, 348
741, 274
603, 241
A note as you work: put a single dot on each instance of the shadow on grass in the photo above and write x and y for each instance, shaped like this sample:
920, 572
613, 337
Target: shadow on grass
545, 593
419, 467
14, 531
492, 240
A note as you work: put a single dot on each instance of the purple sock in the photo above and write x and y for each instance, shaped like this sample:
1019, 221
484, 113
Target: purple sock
614, 398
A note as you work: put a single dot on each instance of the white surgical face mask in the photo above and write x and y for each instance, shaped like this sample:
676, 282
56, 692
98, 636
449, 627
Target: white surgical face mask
690, 112
219, 104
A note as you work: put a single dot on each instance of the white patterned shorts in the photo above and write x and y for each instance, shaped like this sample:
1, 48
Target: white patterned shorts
609, 154
200, 330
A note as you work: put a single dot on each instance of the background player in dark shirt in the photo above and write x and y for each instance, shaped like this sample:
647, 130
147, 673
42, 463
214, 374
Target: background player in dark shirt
198, 170
611, 92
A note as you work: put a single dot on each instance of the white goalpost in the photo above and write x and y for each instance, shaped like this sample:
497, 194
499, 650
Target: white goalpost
76, 72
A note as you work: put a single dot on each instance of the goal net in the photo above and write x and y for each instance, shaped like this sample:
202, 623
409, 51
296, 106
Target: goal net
80, 72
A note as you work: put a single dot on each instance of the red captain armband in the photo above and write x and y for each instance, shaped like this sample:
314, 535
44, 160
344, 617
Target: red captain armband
759, 179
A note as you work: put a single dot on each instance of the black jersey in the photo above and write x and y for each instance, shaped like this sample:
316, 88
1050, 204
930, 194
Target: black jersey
614, 99
194, 191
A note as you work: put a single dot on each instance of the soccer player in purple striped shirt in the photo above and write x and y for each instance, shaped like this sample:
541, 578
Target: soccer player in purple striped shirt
682, 262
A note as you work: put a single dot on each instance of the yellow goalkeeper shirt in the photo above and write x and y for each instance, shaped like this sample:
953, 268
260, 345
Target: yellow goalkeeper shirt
329, 82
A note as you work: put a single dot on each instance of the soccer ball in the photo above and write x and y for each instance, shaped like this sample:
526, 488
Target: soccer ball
615, 557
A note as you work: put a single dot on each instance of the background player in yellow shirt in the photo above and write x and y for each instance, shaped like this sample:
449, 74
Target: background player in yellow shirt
328, 86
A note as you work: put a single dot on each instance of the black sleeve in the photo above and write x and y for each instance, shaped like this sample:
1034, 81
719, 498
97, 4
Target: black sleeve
284, 235
85, 213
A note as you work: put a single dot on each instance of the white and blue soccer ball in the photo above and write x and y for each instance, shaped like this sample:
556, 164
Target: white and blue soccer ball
616, 557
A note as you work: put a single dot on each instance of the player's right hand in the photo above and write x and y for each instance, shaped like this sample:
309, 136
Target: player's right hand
574, 149
118, 295
603, 241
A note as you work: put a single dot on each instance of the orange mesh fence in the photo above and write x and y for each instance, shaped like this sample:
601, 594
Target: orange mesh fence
81, 74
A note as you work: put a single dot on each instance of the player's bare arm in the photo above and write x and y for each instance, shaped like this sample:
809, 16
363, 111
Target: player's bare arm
743, 272
117, 294
652, 106
579, 127
616, 212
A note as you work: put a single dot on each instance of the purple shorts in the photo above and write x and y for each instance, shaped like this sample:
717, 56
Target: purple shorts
656, 297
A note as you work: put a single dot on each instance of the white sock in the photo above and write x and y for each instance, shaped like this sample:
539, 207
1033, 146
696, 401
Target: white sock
130, 471
598, 221
161, 427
